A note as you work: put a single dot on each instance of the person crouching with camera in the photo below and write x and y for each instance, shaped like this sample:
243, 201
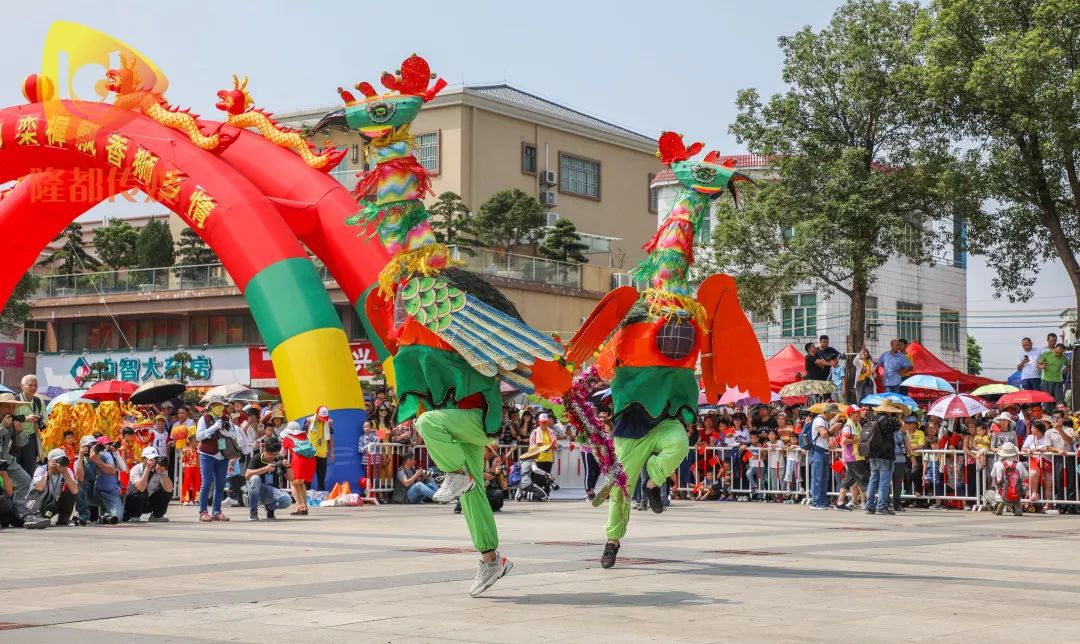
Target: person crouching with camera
150, 490
53, 491
267, 472
97, 472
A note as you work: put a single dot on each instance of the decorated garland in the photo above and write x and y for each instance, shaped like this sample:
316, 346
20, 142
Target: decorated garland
589, 430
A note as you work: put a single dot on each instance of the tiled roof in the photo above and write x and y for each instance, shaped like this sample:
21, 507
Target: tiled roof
742, 161
531, 102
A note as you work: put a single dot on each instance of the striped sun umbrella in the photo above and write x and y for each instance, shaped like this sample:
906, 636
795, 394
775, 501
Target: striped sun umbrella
957, 406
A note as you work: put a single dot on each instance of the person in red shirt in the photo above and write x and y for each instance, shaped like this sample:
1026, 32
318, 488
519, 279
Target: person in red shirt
301, 452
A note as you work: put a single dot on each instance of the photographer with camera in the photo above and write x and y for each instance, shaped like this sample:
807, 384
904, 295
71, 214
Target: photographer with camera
53, 491
97, 471
267, 473
151, 488
217, 446
412, 485
31, 418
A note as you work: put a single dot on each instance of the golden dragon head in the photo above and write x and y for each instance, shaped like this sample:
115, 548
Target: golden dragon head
125, 79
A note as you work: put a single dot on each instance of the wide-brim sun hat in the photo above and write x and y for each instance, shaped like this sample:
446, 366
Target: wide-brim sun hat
889, 407
1008, 450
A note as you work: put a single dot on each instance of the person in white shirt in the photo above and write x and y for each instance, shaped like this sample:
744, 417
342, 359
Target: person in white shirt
151, 488
1028, 365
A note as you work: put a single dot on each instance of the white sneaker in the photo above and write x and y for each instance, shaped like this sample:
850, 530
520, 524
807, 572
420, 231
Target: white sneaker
453, 486
489, 573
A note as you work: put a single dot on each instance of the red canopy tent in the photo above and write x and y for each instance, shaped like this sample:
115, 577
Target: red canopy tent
785, 367
927, 363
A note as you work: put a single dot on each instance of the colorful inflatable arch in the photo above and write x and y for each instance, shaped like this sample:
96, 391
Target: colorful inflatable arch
256, 196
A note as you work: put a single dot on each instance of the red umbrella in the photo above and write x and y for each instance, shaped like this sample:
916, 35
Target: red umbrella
1025, 398
111, 390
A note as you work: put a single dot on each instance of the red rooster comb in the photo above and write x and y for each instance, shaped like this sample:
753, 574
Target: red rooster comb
672, 149
413, 78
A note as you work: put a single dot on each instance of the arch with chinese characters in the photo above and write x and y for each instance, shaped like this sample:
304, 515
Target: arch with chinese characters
252, 201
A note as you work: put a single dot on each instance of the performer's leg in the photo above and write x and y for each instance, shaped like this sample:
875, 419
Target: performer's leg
668, 443
632, 453
455, 439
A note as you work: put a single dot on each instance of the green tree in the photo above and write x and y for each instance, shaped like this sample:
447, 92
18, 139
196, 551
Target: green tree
860, 176
191, 250
72, 256
1006, 76
115, 244
181, 371
451, 220
154, 247
508, 220
563, 243
17, 309
974, 356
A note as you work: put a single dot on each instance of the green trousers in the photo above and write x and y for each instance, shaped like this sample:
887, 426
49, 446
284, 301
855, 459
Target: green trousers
455, 438
660, 452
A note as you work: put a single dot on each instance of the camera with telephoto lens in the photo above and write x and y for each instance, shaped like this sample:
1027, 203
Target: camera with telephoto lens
98, 448
162, 461
4, 465
18, 418
62, 461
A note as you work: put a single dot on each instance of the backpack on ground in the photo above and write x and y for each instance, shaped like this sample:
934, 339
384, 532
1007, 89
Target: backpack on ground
1012, 485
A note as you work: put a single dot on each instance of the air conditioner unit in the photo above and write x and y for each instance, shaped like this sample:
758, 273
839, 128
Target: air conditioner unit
547, 177
547, 198
552, 217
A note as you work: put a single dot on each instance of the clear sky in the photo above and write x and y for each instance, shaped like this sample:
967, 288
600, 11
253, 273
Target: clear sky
630, 62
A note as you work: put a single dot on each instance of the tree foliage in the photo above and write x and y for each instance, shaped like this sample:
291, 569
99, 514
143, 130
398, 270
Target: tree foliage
17, 310
974, 356
860, 174
191, 250
451, 220
72, 256
509, 219
115, 244
154, 246
181, 371
563, 243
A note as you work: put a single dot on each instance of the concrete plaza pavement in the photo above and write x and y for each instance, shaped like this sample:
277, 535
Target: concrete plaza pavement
701, 572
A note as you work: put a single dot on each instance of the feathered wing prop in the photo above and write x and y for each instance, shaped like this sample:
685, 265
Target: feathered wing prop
731, 353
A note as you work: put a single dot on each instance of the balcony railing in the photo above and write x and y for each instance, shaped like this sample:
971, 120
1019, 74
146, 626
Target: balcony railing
518, 267
181, 278
143, 280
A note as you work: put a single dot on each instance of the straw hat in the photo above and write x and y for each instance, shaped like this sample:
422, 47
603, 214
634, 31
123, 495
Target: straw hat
534, 451
1006, 418
9, 403
889, 407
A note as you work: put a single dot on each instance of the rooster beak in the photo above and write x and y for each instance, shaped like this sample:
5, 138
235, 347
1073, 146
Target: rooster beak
333, 119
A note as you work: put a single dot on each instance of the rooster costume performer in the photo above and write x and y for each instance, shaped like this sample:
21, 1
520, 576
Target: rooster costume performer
658, 336
453, 336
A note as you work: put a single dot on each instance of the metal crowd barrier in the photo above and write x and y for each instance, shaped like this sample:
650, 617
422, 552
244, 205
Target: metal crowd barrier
381, 461
937, 476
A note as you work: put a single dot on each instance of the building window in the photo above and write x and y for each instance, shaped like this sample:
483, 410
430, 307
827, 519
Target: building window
34, 336
911, 238
579, 177
223, 330
427, 151
760, 323
873, 322
959, 243
528, 158
654, 195
909, 321
799, 315
950, 330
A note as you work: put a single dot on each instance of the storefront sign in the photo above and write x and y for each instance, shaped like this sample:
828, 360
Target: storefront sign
262, 369
211, 367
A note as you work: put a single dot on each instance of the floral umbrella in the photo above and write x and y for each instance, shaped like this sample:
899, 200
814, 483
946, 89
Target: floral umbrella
957, 406
808, 388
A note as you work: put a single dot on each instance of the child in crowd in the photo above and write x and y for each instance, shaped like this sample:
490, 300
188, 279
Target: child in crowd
71, 449
190, 477
981, 442
775, 464
754, 464
791, 466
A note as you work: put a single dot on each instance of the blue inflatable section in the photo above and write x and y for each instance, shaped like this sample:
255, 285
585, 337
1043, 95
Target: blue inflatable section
348, 425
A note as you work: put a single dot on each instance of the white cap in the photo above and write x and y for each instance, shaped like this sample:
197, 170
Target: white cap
56, 453
150, 452
543, 417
